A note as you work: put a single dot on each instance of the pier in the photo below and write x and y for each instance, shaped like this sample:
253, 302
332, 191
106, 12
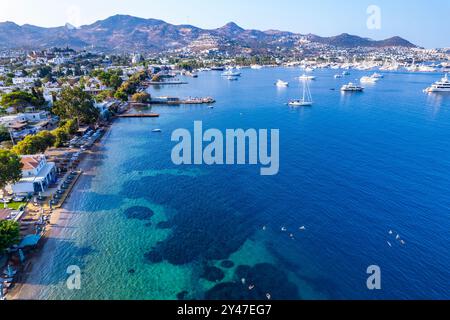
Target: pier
139, 115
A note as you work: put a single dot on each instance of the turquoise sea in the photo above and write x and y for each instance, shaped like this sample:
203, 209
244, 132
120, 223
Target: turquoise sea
352, 168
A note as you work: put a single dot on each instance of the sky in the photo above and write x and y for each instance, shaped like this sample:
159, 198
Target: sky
423, 22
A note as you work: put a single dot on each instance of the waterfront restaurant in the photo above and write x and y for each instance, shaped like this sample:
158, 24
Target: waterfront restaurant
37, 175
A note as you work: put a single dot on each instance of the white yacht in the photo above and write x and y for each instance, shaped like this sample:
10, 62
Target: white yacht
351, 88
306, 100
377, 76
256, 66
282, 84
370, 80
440, 86
232, 78
338, 76
231, 73
306, 77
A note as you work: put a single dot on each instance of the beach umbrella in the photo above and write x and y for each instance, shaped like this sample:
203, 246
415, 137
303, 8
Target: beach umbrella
21, 256
10, 272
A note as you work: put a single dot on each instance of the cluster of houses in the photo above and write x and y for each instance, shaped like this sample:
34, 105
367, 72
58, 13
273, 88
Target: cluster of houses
22, 124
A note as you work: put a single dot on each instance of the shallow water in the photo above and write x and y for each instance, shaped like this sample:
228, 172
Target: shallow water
352, 168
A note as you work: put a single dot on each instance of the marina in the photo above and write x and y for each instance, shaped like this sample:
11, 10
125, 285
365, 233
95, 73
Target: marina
278, 237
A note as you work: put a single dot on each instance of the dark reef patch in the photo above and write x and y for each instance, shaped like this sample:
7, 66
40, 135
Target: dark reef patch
201, 229
213, 274
183, 295
164, 225
154, 256
139, 213
227, 264
263, 278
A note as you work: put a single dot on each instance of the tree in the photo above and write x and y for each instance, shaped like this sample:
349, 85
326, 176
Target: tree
19, 100
63, 133
61, 137
10, 168
121, 95
141, 97
38, 94
44, 72
9, 234
35, 144
76, 103
4, 133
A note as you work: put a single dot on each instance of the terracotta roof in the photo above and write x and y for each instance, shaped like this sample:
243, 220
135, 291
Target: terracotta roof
30, 162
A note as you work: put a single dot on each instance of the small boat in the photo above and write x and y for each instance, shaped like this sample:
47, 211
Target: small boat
351, 88
306, 77
306, 101
345, 73
370, 80
282, 84
338, 76
231, 73
256, 66
156, 130
377, 76
232, 78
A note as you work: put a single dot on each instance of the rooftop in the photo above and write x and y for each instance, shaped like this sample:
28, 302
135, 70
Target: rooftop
30, 162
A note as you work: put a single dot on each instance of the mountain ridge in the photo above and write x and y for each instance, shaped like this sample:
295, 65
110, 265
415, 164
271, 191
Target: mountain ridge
129, 33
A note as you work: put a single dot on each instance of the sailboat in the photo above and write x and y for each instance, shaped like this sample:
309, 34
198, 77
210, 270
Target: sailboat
306, 101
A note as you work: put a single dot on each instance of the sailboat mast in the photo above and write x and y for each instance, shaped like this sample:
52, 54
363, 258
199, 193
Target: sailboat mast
304, 90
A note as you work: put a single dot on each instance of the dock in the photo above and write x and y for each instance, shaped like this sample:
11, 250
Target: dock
164, 83
139, 115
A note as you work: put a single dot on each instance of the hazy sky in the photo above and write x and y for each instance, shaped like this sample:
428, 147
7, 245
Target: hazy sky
424, 22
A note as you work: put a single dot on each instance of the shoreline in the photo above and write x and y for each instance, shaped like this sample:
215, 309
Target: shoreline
26, 287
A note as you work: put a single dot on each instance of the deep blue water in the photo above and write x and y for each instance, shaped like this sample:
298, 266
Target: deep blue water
352, 168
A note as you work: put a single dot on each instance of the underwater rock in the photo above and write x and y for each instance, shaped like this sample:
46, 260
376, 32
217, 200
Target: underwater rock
182, 295
139, 213
260, 280
213, 274
227, 264
164, 225
154, 256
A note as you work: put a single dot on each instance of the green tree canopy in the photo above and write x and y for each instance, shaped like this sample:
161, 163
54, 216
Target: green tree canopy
141, 97
9, 234
10, 168
76, 103
19, 100
35, 144
4, 133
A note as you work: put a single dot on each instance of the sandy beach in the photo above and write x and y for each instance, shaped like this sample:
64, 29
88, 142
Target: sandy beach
28, 285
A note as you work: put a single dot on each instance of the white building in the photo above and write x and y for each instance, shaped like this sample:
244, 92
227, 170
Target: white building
37, 175
39, 116
23, 80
